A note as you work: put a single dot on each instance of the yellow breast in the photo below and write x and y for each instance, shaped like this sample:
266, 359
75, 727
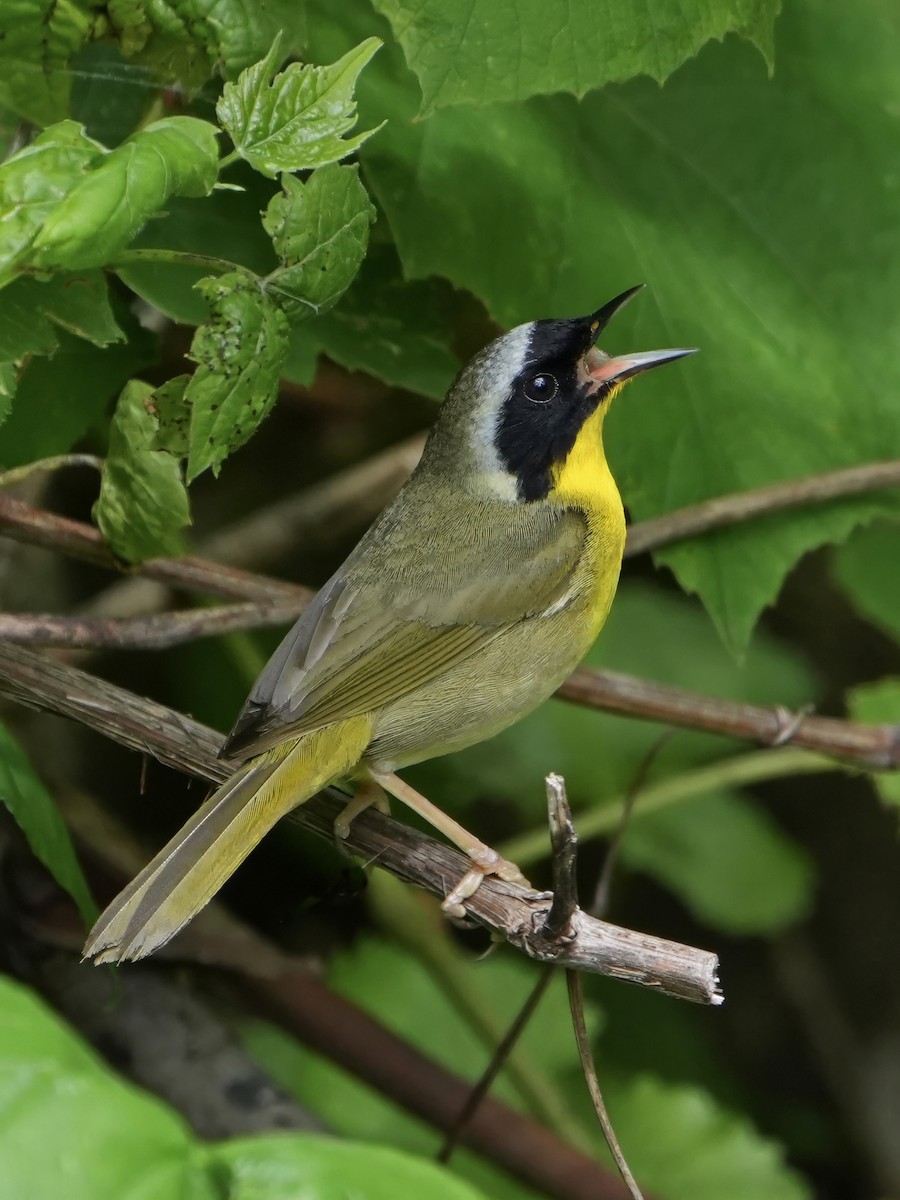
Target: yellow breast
584, 482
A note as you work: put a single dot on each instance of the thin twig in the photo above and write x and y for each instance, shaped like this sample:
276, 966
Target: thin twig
18, 474
737, 507
511, 910
576, 1007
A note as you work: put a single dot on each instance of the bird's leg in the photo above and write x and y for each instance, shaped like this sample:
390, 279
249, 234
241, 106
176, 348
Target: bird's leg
485, 861
369, 794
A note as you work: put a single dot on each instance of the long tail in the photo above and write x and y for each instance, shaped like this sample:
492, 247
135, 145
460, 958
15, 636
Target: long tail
191, 868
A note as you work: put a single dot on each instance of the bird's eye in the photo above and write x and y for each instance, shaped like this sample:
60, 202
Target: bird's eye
541, 388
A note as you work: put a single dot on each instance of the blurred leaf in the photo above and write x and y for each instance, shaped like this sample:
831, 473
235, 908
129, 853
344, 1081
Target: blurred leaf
30, 308
7, 388
143, 504
297, 119
39, 38
877, 702
60, 398
550, 206
320, 231
36, 814
63, 1116
682, 1145
101, 215
110, 95
867, 567
320, 1168
239, 353
35, 181
466, 52
727, 860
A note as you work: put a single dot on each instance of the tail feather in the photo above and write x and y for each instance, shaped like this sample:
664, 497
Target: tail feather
191, 868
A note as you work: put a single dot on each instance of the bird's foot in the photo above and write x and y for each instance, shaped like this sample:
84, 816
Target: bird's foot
485, 861
368, 795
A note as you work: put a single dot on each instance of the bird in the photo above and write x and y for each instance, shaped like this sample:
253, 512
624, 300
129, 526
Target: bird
465, 605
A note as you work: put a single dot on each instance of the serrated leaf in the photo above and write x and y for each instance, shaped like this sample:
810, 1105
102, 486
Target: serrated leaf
867, 567
35, 181
322, 1168
683, 1145
143, 504
61, 397
294, 120
682, 187
481, 51
102, 214
727, 860
36, 814
320, 231
39, 39
239, 353
877, 702
31, 312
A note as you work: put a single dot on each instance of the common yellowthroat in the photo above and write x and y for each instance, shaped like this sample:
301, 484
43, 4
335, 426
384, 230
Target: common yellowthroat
465, 605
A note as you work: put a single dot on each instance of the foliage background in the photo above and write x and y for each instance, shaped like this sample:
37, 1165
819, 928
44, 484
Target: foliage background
530, 159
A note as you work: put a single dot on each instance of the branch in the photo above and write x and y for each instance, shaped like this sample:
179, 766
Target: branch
700, 518
513, 911
872, 747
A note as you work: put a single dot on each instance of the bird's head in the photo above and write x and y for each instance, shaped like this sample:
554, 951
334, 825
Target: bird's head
522, 401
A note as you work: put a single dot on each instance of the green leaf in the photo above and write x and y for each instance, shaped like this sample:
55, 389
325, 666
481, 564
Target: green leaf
39, 38
36, 814
36, 181
173, 416
282, 1168
683, 1145
683, 187
401, 332
32, 310
727, 860
102, 214
867, 567
297, 119
320, 231
60, 398
8, 383
877, 702
239, 353
479, 51
143, 504
62, 1112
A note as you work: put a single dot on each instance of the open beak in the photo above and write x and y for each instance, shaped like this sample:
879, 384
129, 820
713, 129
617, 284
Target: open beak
603, 369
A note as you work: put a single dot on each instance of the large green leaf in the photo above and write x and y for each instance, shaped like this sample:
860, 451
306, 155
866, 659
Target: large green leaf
143, 505
35, 811
481, 51
239, 354
320, 231
177, 156
550, 206
296, 119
